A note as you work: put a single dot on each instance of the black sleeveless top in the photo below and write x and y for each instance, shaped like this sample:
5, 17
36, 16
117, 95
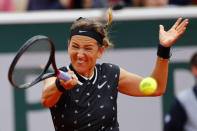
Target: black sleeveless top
92, 104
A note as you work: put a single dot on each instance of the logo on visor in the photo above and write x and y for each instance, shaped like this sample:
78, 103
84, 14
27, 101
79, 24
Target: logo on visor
82, 31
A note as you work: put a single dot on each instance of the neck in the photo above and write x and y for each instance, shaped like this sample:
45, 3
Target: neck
89, 73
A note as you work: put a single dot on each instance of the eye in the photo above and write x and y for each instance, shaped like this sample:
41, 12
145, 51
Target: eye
74, 46
88, 49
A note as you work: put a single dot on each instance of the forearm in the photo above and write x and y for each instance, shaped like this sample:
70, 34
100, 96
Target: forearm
51, 94
65, 3
166, 38
160, 73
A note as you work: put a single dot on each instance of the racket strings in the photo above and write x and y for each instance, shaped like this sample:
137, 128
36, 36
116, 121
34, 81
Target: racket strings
31, 63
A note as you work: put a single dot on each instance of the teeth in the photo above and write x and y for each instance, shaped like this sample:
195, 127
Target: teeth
80, 62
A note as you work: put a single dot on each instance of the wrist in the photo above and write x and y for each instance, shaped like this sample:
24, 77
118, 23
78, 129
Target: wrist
163, 52
59, 86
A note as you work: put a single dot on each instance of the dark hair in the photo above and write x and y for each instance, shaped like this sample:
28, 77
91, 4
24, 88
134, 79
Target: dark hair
95, 26
193, 60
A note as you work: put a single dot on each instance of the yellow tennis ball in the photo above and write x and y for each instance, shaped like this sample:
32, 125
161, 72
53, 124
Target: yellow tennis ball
148, 86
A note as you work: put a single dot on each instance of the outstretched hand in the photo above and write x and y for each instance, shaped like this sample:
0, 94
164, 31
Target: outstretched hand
167, 38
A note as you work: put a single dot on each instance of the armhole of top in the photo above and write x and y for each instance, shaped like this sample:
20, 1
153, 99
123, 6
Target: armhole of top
114, 69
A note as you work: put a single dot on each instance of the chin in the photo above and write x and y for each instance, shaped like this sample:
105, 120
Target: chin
81, 69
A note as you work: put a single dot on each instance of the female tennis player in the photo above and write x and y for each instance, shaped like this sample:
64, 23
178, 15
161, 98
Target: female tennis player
88, 101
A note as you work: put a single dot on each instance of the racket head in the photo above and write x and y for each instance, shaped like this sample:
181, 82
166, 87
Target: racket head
37, 49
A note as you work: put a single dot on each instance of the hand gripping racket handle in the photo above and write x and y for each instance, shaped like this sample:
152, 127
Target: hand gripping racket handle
63, 75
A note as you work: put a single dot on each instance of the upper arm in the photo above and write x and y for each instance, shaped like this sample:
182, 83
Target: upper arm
129, 83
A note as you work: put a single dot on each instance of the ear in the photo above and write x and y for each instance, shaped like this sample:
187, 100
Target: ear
68, 45
68, 42
100, 51
194, 70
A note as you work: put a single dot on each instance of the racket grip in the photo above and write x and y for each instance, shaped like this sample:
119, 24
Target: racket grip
63, 75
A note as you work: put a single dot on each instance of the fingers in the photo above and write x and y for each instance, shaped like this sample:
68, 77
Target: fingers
73, 75
169, 37
177, 23
161, 27
182, 27
74, 79
182, 31
70, 83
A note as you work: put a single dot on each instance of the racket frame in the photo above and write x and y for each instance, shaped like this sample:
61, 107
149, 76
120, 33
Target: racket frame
43, 75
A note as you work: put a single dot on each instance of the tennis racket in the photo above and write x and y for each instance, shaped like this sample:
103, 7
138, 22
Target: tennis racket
32, 61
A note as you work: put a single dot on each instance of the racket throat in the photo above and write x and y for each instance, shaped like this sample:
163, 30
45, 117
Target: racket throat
58, 74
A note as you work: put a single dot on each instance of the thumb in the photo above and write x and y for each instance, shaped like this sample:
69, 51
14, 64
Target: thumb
161, 27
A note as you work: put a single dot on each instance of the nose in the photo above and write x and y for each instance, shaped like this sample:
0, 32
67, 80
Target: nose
80, 54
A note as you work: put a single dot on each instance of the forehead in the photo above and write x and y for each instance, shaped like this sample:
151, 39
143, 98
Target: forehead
83, 40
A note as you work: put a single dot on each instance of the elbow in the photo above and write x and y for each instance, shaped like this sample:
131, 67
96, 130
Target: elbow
159, 94
160, 91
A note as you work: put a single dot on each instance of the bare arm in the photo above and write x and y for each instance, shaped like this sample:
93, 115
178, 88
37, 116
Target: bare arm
129, 83
65, 3
51, 94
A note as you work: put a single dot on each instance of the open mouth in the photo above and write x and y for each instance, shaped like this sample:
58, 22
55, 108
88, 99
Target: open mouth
80, 61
